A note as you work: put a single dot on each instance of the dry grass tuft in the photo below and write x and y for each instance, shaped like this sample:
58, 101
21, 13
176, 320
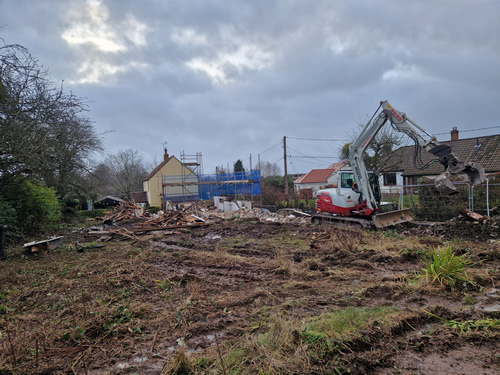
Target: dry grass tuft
348, 238
179, 365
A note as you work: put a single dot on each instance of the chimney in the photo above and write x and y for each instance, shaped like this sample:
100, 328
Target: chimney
165, 155
454, 134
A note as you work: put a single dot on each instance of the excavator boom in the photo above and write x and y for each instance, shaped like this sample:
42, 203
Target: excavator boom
422, 138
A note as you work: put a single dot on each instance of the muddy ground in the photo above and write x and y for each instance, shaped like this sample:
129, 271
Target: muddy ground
239, 295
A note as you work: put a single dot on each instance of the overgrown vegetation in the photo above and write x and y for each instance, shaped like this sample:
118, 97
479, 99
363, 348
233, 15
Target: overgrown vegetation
238, 297
446, 268
29, 208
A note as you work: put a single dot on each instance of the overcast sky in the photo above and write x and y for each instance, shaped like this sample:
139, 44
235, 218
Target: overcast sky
229, 79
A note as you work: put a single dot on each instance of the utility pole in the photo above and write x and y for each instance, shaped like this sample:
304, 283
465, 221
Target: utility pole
260, 178
286, 170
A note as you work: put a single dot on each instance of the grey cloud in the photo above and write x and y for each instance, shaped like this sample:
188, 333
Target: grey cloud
319, 68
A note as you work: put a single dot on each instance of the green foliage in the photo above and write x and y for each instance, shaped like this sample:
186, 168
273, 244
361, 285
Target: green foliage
434, 205
278, 182
238, 166
446, 268
344, 151
347, 324
7, 213
467, 326
91, 214
153, 210
37, 207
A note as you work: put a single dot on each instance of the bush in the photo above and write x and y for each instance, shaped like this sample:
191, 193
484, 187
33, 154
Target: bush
36, 206
153, 209
91, 214
8, 216
446, 268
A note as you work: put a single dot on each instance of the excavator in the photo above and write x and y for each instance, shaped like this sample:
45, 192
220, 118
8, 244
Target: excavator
355, 197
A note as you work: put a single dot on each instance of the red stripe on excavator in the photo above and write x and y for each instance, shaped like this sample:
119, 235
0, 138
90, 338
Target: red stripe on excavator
365, 142
393, 111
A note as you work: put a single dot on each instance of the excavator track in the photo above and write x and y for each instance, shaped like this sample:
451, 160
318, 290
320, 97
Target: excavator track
342, 221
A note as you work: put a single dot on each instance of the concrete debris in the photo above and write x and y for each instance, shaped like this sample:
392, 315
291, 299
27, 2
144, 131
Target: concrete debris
268, 217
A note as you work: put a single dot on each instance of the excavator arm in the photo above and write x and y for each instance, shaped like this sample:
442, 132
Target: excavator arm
421, 137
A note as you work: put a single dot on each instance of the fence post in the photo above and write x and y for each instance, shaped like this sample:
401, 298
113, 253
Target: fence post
401, 199
471, 198
3, 230
487, 198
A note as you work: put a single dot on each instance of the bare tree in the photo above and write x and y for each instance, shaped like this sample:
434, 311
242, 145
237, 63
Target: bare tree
43, 133
268, 169
127, 171
384, 143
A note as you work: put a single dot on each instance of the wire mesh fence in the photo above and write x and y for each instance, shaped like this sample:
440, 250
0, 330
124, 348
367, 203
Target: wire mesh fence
427, 203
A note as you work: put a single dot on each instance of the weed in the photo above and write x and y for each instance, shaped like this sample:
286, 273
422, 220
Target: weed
446, 268
346, 324
179, 365
4, 309
167, 285
469, 300
392, 234
134, 251
348, 238
469, 325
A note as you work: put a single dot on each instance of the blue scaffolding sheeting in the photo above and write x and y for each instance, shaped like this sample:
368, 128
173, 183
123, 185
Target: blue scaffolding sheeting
245, 183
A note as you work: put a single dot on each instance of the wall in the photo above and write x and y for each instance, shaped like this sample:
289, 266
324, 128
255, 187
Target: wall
391, 188
172, 169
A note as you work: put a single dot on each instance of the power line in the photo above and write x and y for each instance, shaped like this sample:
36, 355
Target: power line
320, 139
470, 130
273, 146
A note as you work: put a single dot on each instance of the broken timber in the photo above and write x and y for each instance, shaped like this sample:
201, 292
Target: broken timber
138, 229
473, 216
48, 244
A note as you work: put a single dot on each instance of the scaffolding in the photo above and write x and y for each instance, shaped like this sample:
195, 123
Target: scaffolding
192, 185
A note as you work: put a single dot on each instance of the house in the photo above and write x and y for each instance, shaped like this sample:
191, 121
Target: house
108, 201
140, 198
171, 181
308, 184
399, 169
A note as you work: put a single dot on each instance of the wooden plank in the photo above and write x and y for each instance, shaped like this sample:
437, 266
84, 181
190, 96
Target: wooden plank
150, 229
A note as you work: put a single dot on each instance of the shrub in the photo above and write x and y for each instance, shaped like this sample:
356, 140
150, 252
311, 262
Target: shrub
91, 214
37, 207
446, 268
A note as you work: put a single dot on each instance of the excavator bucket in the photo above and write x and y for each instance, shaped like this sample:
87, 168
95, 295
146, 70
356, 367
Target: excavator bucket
444, 185
474, 171
387, 219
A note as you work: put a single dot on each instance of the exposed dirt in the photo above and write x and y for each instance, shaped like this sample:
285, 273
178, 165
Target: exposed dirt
133, 307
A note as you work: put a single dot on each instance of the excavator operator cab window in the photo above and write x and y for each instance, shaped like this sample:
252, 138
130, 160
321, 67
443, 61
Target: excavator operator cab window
346, 180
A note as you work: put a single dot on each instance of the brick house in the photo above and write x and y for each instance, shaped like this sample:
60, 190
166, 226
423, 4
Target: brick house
398, 168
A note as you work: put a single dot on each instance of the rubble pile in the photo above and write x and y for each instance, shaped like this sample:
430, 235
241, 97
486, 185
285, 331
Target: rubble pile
469, 225
170, 220
125, 211
266, 216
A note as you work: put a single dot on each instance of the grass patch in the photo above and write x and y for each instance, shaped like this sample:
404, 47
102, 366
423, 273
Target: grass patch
446, 268
311, 346
467, 326
345, 325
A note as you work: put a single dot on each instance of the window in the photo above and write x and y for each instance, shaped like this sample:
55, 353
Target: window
390, 179
346, 180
